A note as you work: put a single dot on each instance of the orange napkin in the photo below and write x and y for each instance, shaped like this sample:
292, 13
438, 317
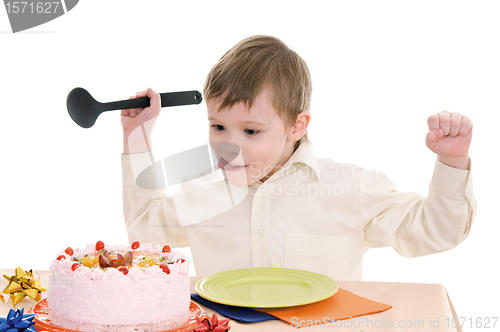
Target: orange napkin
342, 305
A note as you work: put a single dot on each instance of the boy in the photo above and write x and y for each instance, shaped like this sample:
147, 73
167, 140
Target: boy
288, 208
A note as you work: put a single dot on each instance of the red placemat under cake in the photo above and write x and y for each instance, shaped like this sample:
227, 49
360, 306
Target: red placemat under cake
42, 321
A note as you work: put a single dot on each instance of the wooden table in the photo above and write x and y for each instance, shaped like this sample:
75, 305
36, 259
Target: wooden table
415, 307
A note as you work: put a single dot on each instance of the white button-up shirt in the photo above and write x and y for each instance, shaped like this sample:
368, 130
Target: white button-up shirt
313, 214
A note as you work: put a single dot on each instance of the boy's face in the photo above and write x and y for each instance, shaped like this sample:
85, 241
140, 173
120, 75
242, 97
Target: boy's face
250, 144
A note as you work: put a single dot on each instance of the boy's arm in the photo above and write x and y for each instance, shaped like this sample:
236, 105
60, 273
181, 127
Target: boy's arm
415, 225
149, 214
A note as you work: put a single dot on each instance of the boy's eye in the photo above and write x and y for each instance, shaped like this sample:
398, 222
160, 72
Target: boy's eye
218, 127
251, 132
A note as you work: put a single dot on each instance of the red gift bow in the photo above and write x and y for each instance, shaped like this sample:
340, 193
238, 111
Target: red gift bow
215, 325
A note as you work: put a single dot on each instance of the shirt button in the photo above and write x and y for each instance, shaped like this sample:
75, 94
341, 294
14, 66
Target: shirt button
263, 188
260, 232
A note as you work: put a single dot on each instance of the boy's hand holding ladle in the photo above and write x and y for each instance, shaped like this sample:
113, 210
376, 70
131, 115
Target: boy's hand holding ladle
138, 123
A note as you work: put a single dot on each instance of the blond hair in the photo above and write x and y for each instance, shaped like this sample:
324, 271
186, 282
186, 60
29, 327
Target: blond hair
260, 62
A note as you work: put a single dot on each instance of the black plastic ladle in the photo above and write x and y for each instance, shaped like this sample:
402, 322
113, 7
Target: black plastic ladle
84, 109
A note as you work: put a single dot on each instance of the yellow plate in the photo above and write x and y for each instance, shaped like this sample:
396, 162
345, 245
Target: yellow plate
266, 287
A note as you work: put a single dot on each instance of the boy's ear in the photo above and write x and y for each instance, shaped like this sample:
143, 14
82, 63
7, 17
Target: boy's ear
299, 129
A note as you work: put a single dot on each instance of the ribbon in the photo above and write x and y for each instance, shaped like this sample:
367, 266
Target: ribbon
23, 284
215, 325
17, 321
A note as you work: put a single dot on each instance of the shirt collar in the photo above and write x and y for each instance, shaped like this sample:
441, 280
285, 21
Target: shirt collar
303, 156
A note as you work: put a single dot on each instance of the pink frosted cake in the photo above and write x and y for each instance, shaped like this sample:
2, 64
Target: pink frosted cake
119, 288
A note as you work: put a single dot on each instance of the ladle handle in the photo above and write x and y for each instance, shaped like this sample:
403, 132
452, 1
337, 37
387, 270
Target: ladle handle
167, 99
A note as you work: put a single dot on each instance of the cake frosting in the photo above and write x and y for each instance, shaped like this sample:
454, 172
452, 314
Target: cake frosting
119, 288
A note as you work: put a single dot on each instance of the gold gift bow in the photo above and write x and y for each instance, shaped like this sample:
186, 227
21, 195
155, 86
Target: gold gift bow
23, 284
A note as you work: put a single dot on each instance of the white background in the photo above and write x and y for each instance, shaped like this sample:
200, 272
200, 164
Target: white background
379, 69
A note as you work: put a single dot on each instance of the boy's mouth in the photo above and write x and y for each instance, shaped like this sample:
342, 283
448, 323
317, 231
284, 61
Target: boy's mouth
223, 164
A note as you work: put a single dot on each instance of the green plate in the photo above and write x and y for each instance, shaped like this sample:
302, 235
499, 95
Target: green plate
266, 287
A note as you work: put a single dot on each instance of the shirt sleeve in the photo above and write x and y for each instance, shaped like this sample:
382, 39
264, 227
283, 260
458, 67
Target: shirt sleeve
149, 214
415, 225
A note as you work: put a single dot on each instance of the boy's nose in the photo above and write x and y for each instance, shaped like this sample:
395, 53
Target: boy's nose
230, 151
227, 150
230, 148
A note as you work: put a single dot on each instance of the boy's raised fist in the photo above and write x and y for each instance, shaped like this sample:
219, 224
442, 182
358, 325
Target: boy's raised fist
449, 136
